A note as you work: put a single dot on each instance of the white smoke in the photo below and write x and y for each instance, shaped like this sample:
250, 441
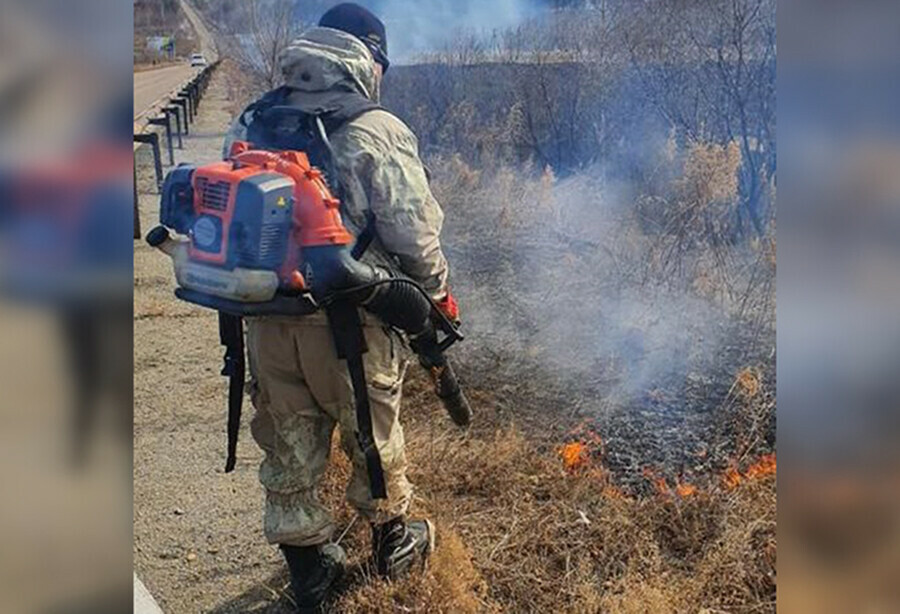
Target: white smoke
418, 27
575, 299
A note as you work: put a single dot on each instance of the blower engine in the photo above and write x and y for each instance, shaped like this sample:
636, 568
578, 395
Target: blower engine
246, 233
264, 236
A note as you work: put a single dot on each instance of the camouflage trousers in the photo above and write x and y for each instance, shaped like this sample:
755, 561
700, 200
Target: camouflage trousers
301, 391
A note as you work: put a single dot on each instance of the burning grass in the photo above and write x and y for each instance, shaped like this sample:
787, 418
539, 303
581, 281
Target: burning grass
526, 528
578, 298
664, 500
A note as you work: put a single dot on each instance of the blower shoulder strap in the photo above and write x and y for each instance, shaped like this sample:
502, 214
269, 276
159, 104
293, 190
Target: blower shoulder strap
352, 106
350, 344
231, 335
269, 99
276, 122
275, 108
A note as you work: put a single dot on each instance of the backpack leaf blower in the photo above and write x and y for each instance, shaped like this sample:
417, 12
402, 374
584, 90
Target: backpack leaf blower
261, 234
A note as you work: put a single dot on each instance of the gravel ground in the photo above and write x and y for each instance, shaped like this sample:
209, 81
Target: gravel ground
198, 541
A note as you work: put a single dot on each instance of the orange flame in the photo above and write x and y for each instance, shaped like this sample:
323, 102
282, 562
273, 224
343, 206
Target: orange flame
574, 456
659, 483
766, 465
732, 478
662, 487
683, 489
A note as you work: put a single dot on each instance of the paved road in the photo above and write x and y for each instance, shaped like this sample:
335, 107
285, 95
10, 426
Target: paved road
151, 85
207, 42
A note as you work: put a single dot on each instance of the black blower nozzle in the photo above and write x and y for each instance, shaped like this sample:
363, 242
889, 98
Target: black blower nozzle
446, 386
333, 273
451, 395
406, 306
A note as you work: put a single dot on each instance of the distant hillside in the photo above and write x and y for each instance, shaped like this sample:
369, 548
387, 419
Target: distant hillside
413, 27
161, 18
311, 10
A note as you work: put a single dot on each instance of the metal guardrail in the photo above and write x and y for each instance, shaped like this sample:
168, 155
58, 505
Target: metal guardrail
180, 104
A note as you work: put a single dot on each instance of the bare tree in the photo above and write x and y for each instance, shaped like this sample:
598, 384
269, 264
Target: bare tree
708, 67
258, 31
565, 66
744, 67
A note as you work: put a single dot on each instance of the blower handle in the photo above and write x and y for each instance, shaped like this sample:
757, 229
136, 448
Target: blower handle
431, 350
446, 326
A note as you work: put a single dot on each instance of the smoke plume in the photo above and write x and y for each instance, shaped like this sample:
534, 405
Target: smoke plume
418, 27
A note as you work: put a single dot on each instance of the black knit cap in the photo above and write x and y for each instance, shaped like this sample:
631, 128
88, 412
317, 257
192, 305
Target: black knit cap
358, 21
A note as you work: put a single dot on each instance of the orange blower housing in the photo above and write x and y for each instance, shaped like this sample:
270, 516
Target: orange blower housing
257, 210
317, 218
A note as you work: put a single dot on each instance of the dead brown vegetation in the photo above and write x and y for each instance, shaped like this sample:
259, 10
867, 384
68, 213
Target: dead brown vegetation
561, 281
522, 528
519, 533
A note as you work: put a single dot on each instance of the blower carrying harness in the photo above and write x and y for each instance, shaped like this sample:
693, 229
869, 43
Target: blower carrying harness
231, 335
264, 236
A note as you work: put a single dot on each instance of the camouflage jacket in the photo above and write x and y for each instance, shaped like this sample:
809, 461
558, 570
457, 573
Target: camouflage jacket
376, 156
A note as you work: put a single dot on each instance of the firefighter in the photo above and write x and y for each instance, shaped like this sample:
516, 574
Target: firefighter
299, 387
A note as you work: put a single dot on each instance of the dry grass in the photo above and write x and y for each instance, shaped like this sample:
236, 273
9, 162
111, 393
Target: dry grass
525, 524
520, 533
528, 523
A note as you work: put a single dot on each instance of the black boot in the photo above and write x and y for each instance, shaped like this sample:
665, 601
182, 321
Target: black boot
397, 545
314, 570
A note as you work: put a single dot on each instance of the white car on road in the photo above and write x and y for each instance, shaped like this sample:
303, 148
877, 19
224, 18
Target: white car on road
197, 59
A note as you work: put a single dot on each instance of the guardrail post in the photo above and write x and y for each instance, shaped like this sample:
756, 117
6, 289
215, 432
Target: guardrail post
194, 101
194, 89
190, 103
173, 110
137, 216
164, 121
153, 139
181, 102
192, 109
